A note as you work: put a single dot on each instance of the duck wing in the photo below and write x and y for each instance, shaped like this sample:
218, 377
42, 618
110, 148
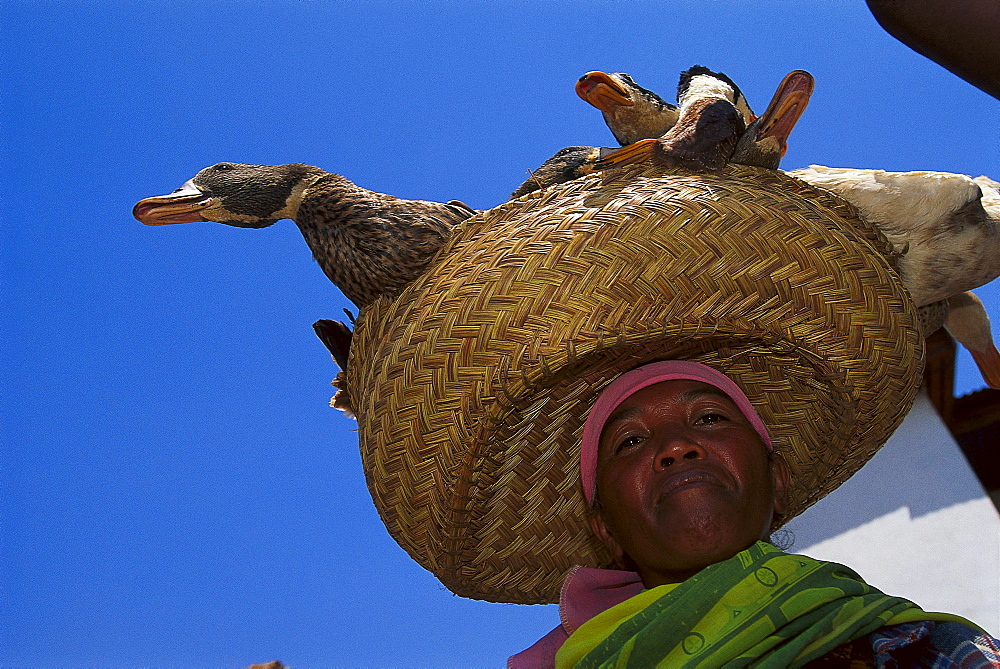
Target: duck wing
336, 336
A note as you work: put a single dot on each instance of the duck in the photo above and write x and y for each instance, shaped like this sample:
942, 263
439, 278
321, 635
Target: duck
337, 336
631, 112
945, 226
765, 140
368, 244
946, 229
634, 113
705, 135
567, 164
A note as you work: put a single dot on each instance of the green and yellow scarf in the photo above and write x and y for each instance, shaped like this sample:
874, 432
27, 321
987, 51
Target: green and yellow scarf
762, 606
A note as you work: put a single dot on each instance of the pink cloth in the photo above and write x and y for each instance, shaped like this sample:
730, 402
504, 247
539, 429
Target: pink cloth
635, 380
585, 593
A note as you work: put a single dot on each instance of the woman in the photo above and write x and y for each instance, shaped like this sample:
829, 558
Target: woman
684, 489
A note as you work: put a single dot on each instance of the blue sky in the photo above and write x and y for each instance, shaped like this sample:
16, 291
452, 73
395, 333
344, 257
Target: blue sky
176, 489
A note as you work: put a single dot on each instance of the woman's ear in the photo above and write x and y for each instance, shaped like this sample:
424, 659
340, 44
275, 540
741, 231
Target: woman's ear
780, 476
600, 529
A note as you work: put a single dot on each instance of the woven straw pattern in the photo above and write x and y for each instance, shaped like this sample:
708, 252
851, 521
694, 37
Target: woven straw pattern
471, 388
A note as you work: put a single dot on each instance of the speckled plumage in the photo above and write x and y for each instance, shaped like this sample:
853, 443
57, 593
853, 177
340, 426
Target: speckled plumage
567, 164
367, 243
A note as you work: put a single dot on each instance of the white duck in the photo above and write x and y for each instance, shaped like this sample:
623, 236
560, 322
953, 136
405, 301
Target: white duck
946, 228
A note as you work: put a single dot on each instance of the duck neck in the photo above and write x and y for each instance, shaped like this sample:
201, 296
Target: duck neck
706, 87
335, 217
301, 192
326, 200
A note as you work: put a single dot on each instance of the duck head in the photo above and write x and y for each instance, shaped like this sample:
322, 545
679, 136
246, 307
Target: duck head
699, 82
631, 111
711, 120
766, 139
245, 196
969, 324
606, 91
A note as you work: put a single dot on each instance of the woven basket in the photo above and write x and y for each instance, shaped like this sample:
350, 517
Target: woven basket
471, 388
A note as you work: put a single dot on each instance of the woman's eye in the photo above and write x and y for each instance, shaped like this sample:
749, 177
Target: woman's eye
710, 419
628, 442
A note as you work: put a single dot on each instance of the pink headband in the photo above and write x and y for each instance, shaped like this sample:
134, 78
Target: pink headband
632, 382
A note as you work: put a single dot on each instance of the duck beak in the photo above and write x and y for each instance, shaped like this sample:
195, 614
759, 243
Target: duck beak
631, 154
785, 108
181, 206
602, 91
969, 324
988, 362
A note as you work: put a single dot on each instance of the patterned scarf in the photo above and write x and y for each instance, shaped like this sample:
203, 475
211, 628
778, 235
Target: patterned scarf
760, 606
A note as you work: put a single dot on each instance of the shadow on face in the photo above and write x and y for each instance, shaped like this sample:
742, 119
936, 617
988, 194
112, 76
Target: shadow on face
683, 481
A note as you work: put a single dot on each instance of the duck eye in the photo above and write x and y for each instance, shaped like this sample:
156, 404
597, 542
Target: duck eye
224, 167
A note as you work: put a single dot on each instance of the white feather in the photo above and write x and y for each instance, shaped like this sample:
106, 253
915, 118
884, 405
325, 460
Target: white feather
943, 255
706, 86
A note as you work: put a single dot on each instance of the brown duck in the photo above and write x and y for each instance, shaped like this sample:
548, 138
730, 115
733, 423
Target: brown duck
567, 164
705, 135
712, 129
631, 111
368, 244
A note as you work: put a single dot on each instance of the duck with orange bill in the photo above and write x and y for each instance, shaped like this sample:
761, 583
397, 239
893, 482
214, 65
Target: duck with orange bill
713, 126
766, 138
631, 111
634, 113
946, 228
943, 225
368, 244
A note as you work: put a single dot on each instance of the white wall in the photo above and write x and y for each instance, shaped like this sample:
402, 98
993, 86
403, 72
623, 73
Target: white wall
915, 522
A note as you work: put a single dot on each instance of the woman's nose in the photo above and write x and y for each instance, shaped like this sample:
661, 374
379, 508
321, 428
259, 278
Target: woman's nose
677, 447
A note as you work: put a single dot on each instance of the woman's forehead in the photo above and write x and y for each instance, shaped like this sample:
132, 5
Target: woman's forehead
678, 392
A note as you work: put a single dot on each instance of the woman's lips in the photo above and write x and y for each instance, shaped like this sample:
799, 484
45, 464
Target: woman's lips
689, 478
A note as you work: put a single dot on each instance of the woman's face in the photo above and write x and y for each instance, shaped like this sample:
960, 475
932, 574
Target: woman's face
683, 480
